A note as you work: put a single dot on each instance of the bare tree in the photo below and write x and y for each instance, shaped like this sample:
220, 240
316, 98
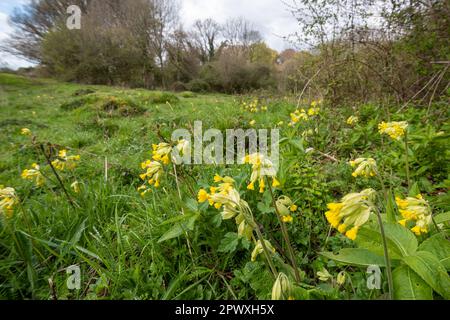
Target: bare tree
205, 35
240, 32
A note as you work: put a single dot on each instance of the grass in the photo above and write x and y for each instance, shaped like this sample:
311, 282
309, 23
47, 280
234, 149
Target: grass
113, 234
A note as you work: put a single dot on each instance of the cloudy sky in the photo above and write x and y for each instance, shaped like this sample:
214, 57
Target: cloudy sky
270, 17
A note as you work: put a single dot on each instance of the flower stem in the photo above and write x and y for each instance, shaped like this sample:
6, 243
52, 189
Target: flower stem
285, 234
47, 158
407, 160
386, 256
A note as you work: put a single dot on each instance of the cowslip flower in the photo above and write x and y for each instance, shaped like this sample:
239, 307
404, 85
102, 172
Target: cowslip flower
365, 167
286, 207
8, 200
259, 249
34, 174
153, 173
324, 275
415, 209
183, 146
282, 287
298, 115
261, 167
394, 129
75, 186
25, 132
65, 161
348, 215
313, 111
352, 120
224, 196
161, 152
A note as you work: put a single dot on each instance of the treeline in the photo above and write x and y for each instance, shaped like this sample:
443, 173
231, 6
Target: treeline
346, 50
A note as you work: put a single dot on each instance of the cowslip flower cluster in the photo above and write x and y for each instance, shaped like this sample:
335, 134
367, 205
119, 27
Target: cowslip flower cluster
161, 155
253, 106
224, 196
348, 215
64, 161
394, 129
261, 167
25, 132
34, 174
286, 207
152, 175
352, 120
161, 152
8, 199
365, 167
297, 116
415, 209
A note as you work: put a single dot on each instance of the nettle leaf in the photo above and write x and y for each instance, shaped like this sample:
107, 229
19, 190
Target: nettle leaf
264, 208
428, 267
356, 257
408, 285
439, 246
229, 243
183, 224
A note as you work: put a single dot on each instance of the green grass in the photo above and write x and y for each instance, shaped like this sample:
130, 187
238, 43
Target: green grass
113, 232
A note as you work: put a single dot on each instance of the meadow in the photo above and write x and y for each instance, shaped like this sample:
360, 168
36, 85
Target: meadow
83, 194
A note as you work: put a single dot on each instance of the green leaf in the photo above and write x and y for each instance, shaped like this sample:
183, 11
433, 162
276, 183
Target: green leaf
298, 143
428, 267
229, 242
443, 217
390, 208
414, 191
408, 285
356, 256
400, 241
439, 246
191, 204
186, 224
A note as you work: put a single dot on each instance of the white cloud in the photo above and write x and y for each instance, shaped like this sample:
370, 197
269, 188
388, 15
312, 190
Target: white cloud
6, 59
270, 16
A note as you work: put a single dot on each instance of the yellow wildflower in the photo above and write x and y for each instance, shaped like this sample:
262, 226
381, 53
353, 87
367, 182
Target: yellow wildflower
261, 167
75, 186
252, 123
415, 209
64, 161
34, 174
259, 249
394, 129
287, 219
352, 212
366, 167
313, 111
161, 152
282, 287
153, 173
8, 199
25, 132
352, 120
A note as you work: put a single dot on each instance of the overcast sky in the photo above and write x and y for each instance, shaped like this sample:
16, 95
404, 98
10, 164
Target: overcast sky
269, 16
